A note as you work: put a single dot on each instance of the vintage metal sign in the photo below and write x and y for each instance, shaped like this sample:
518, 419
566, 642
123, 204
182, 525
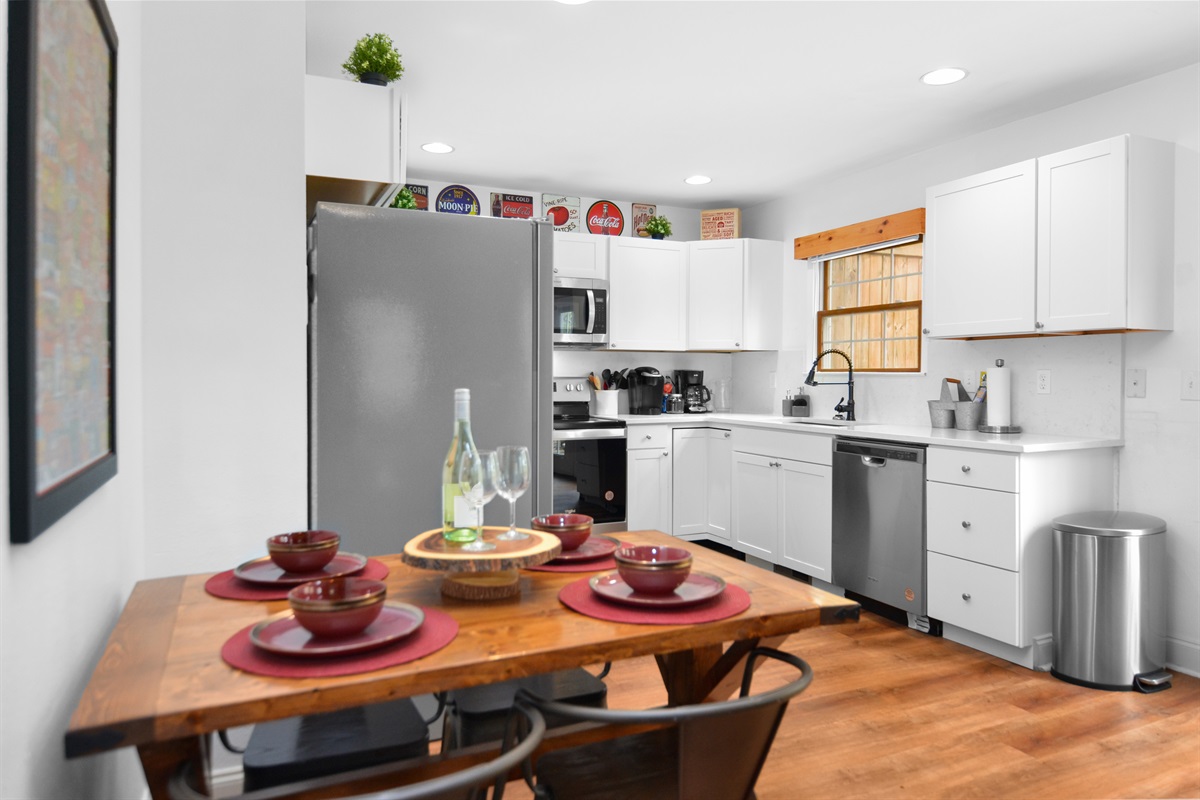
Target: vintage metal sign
456, 199
605, 218
512, 206
641, 213
563, 211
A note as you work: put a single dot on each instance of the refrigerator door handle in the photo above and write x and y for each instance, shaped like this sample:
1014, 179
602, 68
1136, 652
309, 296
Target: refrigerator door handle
591, 293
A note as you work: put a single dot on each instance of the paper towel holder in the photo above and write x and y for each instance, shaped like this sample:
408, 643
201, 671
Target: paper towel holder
999, 428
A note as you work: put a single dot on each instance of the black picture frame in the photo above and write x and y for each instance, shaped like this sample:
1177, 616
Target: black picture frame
62, 133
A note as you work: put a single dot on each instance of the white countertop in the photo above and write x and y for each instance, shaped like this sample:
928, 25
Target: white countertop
946, 437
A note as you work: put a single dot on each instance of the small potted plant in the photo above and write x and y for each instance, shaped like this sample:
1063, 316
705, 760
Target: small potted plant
658, 227
404, 199
374, 60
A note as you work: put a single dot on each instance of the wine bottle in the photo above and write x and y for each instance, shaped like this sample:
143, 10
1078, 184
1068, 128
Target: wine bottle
460, 474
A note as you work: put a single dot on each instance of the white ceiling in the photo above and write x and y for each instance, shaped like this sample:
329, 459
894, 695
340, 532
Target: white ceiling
626, 98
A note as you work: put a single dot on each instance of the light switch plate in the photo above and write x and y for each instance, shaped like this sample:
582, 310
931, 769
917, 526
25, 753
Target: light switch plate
1135, 383
1190, 389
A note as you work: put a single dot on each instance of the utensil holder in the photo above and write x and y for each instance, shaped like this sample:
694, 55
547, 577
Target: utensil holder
967, 415
941, 413
605, 403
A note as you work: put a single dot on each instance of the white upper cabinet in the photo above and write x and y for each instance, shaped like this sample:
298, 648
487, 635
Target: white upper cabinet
981, 253
647, 294
734, 298
580, 255
353, 130
1080, 240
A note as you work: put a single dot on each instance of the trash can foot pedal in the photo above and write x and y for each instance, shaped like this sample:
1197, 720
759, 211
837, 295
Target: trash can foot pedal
1155, 681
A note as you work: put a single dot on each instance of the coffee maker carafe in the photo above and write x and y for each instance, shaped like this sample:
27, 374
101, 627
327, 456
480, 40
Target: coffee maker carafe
690, 383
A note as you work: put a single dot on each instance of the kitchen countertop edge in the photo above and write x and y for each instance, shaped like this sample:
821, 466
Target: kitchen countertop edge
948, 437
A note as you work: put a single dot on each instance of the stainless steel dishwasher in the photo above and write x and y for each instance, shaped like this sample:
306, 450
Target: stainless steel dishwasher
879, 523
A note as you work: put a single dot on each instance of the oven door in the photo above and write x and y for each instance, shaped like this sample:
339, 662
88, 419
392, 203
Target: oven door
580, 312
589, 477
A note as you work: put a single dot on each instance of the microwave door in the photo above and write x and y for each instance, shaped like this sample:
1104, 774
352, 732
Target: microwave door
572, 316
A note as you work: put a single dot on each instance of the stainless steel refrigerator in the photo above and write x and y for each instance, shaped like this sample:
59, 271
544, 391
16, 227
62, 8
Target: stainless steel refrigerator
404, 307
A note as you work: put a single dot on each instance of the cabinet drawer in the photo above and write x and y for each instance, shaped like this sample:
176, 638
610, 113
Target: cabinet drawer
815, 448
976, 597
641, 437
975, 524
997, 471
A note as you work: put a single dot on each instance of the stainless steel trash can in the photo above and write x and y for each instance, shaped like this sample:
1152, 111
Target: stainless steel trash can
1110, 601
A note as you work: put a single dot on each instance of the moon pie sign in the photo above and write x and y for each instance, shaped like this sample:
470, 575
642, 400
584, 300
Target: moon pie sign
604, 218
457, 199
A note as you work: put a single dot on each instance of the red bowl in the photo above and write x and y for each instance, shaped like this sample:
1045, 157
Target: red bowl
572, 529
303, 551
651, 569
335, 607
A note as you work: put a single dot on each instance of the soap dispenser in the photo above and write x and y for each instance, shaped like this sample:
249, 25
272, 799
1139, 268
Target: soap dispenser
787, 403
799, 405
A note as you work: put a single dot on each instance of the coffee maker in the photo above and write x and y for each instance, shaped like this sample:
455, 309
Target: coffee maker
690, 383
645, 390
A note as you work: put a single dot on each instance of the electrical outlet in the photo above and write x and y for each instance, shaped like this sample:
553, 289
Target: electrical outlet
1190, 390
968, 382
1043, 381
1135, 383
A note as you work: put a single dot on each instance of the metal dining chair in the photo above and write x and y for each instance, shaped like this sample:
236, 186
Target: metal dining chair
702, 750
470, 783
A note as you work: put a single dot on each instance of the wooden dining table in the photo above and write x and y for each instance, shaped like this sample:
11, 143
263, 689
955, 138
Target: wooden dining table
161, 685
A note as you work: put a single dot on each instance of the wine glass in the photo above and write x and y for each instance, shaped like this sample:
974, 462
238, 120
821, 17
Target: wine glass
480, 494
513, 461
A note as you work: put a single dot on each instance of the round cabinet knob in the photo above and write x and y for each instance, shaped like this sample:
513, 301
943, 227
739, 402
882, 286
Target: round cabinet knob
737, 344
648, 437
966, 468
1038, 325
726, 434
556, 270
665, 453
966, 524
613, 345
925, 330
966, 596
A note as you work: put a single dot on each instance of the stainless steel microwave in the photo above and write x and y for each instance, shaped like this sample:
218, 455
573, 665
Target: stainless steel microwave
580, 313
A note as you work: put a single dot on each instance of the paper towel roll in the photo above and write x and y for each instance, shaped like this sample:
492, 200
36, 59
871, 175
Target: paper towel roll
999, 396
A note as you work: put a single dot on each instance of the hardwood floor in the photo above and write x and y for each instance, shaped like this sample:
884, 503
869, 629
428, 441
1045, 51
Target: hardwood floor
893, 713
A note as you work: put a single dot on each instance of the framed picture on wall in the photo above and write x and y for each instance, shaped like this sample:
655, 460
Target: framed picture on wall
61, 258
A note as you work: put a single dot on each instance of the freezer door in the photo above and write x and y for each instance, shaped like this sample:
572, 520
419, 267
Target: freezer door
407, 306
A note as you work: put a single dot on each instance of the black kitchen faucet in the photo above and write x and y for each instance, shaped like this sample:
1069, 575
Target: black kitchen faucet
846, 408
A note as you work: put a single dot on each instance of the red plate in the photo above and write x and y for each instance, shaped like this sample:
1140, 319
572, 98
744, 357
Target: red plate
282, 634
698, 587
264, 570
595, 547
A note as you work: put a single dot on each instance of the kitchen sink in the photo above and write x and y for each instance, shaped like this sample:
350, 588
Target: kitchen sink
833, 423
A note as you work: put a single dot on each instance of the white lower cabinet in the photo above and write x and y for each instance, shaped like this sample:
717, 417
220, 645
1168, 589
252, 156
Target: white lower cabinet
700, 483
989, 541
782, 506
648, 478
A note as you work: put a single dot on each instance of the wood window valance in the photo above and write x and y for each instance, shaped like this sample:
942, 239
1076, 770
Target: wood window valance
861, 234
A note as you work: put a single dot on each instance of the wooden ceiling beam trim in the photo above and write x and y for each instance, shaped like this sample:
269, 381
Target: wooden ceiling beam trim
861, 234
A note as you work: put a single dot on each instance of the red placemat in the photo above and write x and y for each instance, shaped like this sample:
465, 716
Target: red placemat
227, 585
438, 630
599, 565
578, 596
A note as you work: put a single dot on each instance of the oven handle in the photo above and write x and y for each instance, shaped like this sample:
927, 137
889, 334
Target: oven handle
594, 433
591, 293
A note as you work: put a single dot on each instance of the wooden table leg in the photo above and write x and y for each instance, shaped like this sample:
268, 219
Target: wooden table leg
707, 674
161, 760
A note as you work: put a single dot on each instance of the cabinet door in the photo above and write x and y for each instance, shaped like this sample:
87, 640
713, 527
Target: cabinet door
353, 130
580, 255
648, 294
1082, 244
689, 481
763, 296
715, 280
755, 504
806, 513
981, 253
648, 493
720, 466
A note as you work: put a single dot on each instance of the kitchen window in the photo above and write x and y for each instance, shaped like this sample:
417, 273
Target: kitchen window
872, 310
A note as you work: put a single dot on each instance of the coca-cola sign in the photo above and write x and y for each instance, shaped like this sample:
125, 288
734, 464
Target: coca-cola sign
604, 218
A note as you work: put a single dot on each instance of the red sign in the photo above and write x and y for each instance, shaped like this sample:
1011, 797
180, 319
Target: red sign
605, 219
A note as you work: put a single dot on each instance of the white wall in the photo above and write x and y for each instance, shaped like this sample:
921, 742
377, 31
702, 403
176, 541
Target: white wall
51, 637
1160, 463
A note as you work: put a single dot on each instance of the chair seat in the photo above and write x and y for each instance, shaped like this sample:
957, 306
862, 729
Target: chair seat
317, 745
478, 714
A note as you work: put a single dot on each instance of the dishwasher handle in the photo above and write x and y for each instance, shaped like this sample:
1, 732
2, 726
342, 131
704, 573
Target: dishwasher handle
875, 453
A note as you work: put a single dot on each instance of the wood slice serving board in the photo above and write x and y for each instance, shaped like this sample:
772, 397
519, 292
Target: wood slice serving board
481, 576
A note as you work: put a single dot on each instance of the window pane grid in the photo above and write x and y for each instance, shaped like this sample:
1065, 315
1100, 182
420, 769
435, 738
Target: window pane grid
873, 310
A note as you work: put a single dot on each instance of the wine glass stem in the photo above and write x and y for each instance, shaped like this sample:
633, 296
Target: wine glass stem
512, 514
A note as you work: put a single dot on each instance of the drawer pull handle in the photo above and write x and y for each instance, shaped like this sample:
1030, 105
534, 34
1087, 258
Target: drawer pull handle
665, 453
966, 596
966, 524
966, 468
648, 437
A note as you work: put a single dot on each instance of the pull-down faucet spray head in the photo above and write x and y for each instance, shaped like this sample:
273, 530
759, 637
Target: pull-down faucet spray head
848, 407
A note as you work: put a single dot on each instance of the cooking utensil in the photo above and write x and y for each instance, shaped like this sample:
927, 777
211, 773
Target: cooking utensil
606, 375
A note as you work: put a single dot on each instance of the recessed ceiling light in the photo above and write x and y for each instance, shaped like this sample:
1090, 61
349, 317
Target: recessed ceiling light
437, 147
943, 76
698, 180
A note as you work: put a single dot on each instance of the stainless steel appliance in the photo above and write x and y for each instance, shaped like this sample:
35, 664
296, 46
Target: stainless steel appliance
405, 306
580, 313
690, 382
879, 522
645, 386
589, 458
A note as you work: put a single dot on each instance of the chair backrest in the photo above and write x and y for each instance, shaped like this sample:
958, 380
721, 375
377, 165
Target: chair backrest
718, 748
465, 784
